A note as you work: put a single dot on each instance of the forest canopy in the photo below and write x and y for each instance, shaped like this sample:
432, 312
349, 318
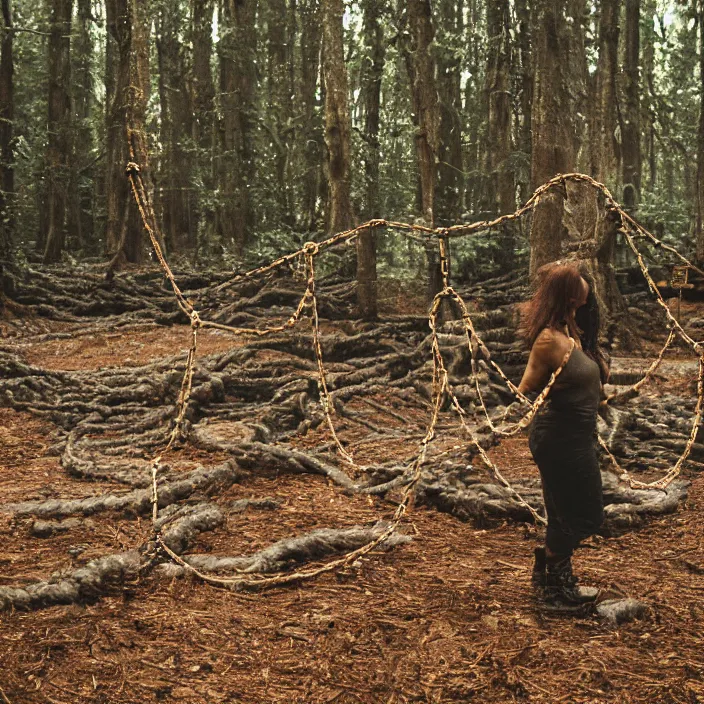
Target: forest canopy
265, 123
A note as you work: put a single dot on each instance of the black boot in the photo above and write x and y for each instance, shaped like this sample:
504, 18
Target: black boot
538, 577
561, 590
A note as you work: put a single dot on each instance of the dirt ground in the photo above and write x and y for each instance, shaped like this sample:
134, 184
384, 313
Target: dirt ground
448, 617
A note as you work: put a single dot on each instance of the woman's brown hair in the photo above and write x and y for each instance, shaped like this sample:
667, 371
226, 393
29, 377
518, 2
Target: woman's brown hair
560, 286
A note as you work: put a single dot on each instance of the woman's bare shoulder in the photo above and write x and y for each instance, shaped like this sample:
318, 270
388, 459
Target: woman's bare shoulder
551, 345
548, 336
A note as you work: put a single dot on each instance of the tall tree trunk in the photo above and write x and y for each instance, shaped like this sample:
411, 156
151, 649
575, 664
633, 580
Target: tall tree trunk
427, 120
498, 98
203, 121
372, 71
311, 137
280, 100
128, 72
472, 113
581, 228
176, 196
700, 142
603, 143
450, 174
425, 102
553, 127
237, 49
525, 79
81, 190
630, 129
648, 53
7, 172
337, 118
59, 127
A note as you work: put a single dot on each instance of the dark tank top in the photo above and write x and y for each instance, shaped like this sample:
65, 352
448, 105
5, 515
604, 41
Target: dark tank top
574, 398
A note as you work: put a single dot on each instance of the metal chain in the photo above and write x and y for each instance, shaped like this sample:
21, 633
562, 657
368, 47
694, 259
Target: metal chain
260, 582
634, 389
445, 386
675, 328
441, 385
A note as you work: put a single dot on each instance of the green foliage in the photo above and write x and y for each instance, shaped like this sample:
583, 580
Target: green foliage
670, 219
283, 138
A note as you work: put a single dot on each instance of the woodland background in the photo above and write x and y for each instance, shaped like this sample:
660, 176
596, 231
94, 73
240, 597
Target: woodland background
261, 124
256, 127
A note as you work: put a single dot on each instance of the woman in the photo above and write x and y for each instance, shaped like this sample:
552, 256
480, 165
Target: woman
560, 322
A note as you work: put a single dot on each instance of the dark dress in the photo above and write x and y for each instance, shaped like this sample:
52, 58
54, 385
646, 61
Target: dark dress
563, 444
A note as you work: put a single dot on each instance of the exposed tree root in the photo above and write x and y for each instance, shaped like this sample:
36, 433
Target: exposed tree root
287, 553
137, 502
260, 404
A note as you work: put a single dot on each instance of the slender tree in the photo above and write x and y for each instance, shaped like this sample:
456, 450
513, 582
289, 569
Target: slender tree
309, 137
630, 128
700, 140
178, 213
554, 129
237, 51
474, 108
337, 118
604, 148
59, 126
648, 101
372, 72
81, 189
425, 102
127, 84
7, 170
448, 52
498, 98
421, 71
525, 74
278, 118
203, 120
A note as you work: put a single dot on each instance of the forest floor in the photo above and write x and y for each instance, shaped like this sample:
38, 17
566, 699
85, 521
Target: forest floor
448, 617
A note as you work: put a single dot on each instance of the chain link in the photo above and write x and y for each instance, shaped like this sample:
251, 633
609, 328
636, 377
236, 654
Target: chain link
441, 386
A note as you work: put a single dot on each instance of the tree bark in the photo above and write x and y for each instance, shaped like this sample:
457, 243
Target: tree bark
700, 141
311, 138
554, 132
649, 100
472, 111
630, 129
59, 127
581, 228
450, 173
280, 101
237, 50
427, 120
337, 118
81, 190
176, 195
425, 103
603, 144
128, 72
498, 98
203, 121
372, 71
7, 167
525, 80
